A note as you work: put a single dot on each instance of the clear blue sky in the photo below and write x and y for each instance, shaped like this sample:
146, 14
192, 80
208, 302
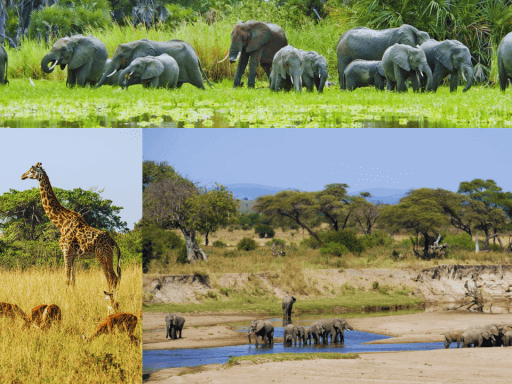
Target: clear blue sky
308, 159
108, 159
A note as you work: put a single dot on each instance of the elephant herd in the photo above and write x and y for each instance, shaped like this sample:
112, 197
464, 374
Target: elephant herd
489, 335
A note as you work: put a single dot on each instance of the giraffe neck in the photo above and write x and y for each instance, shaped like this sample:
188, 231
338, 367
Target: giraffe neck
51, 205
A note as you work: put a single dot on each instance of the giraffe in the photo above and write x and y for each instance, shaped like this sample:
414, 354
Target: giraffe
78, 240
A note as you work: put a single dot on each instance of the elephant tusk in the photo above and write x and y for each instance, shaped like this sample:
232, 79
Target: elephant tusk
115, 70
319, 75
223, 59
421, 73
464, 77
238, 56
54, 64
291, 78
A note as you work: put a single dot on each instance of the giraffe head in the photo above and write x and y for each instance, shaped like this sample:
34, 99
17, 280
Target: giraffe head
35, 172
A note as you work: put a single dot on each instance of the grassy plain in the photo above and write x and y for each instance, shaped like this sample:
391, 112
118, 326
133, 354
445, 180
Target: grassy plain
60, 355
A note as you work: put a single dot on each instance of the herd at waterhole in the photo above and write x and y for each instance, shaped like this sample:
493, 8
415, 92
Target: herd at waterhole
380, 58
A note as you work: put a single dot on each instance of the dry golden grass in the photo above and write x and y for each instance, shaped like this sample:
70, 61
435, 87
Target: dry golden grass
60, 355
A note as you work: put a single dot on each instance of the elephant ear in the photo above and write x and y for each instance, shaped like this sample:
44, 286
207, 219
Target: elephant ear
260, 34
280, 67
442, 54
144, 48
380, 69
259, 326
400, 57
84, 50
154, 68
406, 35
308, 68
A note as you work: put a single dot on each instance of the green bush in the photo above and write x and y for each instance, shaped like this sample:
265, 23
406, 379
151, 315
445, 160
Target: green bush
462, 241
219, 244
246, 244
275, 241
376, 239
495, 247
182, 255
346, 237
178, 14
264, 230
334, 249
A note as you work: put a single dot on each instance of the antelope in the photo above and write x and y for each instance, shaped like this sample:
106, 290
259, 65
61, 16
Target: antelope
113, 308
11, 310
43, 316
122, 322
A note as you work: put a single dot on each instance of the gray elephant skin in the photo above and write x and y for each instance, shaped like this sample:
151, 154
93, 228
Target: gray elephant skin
174, 325
151, 71
317, 332
85, 57
184, 54
294, 333
334, 328
112, 80
401, 62
288, 302
364, 73
4, 64
505, 61
453, 336
287, 69
314, 71
477, 337
449, 57
254, 42
368, 44
262, 328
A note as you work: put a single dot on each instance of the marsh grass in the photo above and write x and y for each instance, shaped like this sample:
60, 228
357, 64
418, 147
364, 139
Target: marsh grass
60, 355
51, 103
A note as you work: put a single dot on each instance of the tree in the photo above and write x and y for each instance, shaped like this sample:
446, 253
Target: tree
365, 213
334, 204
165, 202
294, 205
22, 216
211, 210
420, 212
152, 171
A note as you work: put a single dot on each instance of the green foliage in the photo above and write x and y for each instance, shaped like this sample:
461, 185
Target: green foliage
275, 241
377, 239
461, 241
334, 249
219, 244
494, 247
182, 255
130, 244
346, 237
160, 244
375, 285
153, 171
246, 244
178, 14
248, 220
69, 17
264, 230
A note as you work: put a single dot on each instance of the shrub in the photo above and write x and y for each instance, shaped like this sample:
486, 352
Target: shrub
494, 247
182, 255
377, 239
264, 230
334, 249
462, 241
346, 237
375, 285
219, 244
246, 244
230, 254
275, 241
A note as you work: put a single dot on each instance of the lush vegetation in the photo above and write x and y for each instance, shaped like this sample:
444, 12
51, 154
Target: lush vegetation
60, 354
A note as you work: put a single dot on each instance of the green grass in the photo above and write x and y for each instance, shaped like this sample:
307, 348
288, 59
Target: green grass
52, 104
277, 357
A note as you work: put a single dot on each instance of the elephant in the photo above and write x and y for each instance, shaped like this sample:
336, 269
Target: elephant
85, 57
184, 54
507, 339
368, 44
452, 336
254, 42
114, 79
401, 62
4, 64
314, 72
173, 325
449, 57
295, 332
335, 327
505, 61
363, 73
289, 335
263, 328
317, 331
287, 69
151, 71
287, 305
493, 330
477, 337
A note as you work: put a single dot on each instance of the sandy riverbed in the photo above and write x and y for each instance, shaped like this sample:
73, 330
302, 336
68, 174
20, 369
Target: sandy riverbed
440, 366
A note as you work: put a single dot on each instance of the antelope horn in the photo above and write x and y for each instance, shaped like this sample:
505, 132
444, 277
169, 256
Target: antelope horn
54, 64
115, 70
223, 58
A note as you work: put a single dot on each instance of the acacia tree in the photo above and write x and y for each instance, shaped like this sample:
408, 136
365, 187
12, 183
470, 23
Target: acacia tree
365, 213
334, 204
165, 202
211, 210
294, 205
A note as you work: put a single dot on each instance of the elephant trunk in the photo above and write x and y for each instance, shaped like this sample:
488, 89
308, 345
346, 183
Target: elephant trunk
109, 70
234, 52
296, 79
46, 60
249, 336
467, 70
323, 78
425, 68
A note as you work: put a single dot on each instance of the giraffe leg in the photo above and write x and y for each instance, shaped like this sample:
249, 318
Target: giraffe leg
102, 256
68, 261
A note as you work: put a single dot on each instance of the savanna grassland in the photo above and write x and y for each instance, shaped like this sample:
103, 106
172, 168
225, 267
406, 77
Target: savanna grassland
60, 355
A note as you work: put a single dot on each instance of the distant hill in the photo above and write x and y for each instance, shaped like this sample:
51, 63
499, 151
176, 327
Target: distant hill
383, 195
252, 191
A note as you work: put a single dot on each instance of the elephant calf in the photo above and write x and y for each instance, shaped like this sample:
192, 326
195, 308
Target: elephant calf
173, 326
452, 336
314, 71
364, 73
287, 69
151, 71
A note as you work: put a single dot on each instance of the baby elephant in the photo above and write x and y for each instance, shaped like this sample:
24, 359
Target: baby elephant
314, 71
151, 71
363, 73
452, 336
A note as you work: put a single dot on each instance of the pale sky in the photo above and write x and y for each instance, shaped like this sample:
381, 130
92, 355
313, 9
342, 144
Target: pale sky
308, 159
108, 159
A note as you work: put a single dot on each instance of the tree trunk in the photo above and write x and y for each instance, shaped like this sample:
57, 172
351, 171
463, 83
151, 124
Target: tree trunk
206, 238
307, 229
194, 253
